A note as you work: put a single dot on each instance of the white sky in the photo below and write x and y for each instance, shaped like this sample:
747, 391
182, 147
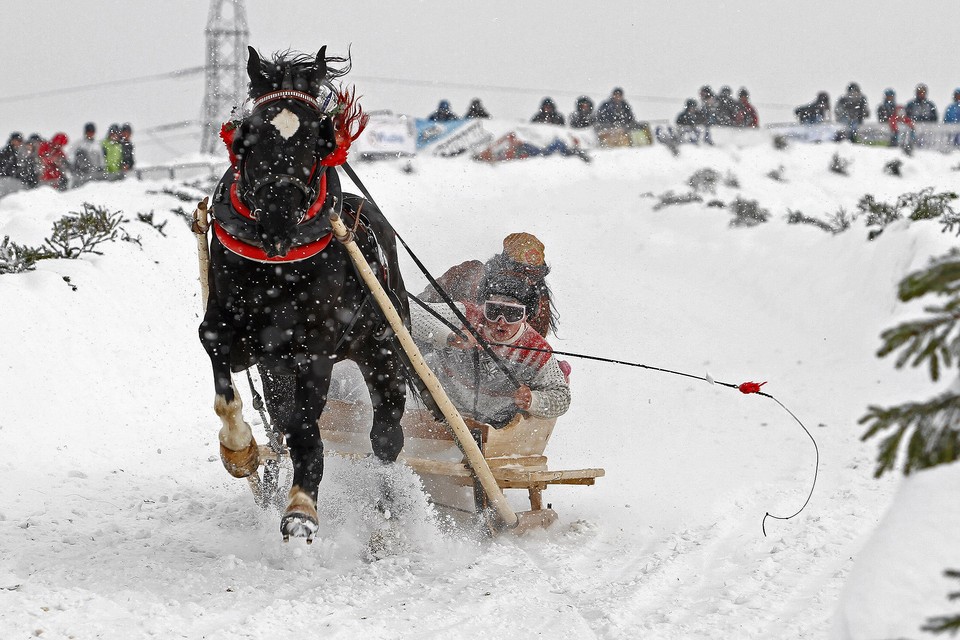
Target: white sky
784, 52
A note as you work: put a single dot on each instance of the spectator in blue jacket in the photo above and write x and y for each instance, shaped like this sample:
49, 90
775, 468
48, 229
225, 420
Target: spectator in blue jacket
952, 114
920, 109
443, 113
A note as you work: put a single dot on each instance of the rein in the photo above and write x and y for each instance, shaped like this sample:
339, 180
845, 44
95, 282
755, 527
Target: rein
745, 388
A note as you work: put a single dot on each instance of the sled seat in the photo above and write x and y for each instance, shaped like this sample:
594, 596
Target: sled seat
514, 453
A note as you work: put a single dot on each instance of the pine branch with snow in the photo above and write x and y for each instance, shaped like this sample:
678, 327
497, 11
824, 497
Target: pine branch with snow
942, 624
927, 433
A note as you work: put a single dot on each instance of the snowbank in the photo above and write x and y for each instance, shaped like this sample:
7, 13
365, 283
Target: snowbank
117, 520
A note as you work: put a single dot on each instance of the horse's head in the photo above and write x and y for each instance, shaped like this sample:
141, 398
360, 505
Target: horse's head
280, 145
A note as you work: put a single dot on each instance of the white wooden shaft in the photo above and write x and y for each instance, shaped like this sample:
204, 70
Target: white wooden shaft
460, 431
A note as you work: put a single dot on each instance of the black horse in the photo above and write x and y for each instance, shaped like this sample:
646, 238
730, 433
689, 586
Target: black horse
283, 296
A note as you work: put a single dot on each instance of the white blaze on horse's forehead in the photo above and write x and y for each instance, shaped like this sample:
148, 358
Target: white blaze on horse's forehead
287, 123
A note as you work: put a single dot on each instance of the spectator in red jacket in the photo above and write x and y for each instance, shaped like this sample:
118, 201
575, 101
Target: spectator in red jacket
53, 162
746, 113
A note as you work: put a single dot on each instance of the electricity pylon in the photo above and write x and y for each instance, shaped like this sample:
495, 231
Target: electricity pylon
226, 78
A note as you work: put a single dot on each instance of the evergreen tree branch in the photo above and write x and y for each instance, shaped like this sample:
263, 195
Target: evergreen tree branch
942, 624
933, 428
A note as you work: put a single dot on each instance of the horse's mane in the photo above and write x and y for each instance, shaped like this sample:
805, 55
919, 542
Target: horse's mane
299, 63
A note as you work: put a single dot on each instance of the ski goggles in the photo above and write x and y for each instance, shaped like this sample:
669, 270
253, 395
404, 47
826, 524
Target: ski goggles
511, 313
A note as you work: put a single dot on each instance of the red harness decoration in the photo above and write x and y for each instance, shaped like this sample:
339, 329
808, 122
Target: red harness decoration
349, 121
251, 252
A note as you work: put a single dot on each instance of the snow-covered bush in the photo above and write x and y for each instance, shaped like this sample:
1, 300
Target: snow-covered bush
840, 165
670, 198
704, 180
747, 213
82, 232
797, 217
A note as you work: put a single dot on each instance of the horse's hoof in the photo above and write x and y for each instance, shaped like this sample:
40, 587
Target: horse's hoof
243, 463
300, 518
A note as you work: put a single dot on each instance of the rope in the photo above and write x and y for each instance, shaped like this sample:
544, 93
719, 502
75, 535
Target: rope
745, 387
436, 285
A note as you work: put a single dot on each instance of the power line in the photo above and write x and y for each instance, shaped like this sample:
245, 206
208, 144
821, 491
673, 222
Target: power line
178, 74
532, 90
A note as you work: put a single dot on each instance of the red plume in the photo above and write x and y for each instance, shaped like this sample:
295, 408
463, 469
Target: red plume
227, 131
348, 124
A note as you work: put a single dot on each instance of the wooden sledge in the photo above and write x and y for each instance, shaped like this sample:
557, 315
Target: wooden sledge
514, 454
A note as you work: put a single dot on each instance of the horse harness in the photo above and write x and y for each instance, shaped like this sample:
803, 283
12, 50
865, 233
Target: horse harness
235, 224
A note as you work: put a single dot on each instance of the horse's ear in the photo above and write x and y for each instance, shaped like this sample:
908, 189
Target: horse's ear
319, 71
258, 80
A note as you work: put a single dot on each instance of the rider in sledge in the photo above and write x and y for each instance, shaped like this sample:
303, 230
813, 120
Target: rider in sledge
476, 385
523, 256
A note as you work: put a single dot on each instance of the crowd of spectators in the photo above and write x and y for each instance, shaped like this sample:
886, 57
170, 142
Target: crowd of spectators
852, 110
26, 163
615, 112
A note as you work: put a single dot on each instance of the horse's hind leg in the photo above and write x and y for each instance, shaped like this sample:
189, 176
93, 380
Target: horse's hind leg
383, 374
238, 450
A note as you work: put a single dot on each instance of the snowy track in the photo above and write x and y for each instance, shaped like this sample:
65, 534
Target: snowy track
117, 520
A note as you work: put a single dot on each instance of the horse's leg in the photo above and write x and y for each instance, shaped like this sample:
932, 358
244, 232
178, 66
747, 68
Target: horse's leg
306, 450
383, 373
238, 450
382, 370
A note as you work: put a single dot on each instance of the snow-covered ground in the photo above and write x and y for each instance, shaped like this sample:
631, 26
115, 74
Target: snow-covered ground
118, 521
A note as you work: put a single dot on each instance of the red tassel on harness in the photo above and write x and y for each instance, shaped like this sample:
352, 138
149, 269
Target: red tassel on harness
348, 124
751, 387
227, 131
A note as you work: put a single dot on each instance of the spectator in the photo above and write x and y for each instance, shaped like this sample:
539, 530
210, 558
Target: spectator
746, 113
583, 117
616, 112
952, 114
443, 113
476, 110
548, 113
726, 107
816, 112
126, 146
9, 156
88, 156
112, 154
709, 105
902, 131
920, 109
888, 107
691, 116
30, 161
53, 162
851, 110
10, 165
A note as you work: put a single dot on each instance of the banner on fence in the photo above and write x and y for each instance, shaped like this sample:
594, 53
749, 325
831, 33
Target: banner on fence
387, 135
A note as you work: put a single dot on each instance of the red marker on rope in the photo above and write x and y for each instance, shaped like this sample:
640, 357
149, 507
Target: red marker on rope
751, 387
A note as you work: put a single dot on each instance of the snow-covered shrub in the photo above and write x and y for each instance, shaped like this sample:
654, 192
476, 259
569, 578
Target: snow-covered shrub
918, 205
670, 198
777, 174
704, 180
927, 205
82, 232
16, 258
747, 213
839, 165
731, 180
894, 167
797, 217
147, 218
780, 142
